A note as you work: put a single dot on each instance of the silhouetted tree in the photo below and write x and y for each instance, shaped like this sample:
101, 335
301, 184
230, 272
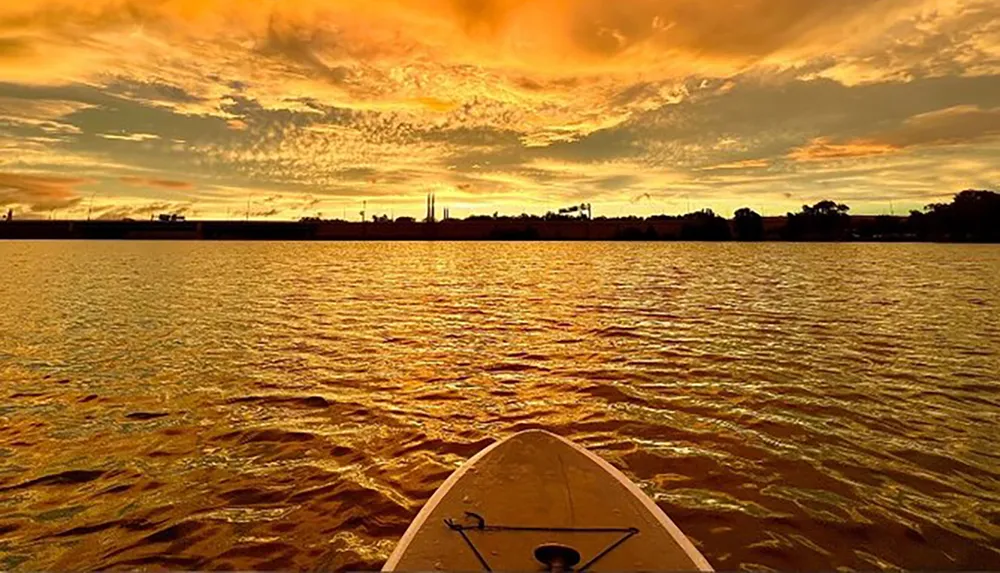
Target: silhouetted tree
704, 225
749, 225
824, 221
972, 216
826, 209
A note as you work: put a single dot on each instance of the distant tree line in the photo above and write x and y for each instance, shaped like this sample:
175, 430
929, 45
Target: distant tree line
971, 216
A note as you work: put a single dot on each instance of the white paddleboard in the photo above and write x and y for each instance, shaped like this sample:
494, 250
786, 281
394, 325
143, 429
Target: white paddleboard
536, 497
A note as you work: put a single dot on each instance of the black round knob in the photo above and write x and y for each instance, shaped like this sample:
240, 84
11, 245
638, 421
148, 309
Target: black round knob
557, 557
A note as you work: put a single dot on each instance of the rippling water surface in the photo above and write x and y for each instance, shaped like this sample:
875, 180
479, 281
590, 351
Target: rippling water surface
291, 406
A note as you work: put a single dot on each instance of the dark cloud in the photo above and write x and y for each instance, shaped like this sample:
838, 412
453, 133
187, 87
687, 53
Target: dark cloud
635, 92
615, 182
309, 113
482, 15
15, 47
619, 142
308, 202
128, 116
84, 94
299, 46
955, 125
816, 106
768, 119
952, 126
357, 174
264, 212
528, 84
155, 91
487, 159
483, 136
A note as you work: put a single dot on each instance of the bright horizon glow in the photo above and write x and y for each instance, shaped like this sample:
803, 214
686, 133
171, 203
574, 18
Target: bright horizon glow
125, 108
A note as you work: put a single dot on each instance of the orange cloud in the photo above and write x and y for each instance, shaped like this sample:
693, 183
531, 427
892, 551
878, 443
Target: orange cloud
823, 148
39, 193
162, 183
556, 70
744, 164
348, 41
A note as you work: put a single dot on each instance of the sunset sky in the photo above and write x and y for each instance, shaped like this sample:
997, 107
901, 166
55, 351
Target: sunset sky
123, 108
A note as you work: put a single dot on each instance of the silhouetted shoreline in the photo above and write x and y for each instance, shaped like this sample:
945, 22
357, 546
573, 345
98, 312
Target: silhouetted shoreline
974, 216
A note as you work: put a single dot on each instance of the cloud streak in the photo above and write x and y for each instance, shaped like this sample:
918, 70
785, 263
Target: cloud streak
161, 183
39, 193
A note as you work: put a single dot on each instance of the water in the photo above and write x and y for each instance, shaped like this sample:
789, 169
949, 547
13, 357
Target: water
291, 406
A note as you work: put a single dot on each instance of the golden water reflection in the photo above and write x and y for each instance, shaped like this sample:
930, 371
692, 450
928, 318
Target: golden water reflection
291, 406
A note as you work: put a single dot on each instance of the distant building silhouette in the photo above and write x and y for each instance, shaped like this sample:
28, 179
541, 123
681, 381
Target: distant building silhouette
583, 209
431, 209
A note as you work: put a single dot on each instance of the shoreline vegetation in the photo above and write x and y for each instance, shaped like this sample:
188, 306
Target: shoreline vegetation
972, 217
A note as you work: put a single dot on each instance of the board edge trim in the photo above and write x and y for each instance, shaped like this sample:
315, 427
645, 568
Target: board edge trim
675, 532
432, 503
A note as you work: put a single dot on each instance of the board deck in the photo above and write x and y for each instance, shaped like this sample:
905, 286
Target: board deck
539, 480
